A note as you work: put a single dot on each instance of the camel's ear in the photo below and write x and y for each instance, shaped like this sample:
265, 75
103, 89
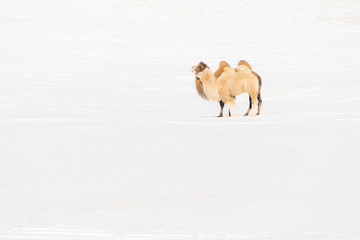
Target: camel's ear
236, 69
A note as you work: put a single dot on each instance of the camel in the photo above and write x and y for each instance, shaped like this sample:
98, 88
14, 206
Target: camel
231, 82
199, 86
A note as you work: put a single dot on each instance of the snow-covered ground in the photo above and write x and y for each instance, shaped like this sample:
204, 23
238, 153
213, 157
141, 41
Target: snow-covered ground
103, 136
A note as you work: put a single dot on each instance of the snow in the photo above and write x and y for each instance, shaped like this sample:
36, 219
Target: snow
103, 135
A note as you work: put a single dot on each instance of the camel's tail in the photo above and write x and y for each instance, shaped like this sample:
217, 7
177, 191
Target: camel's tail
259, 94
260, 82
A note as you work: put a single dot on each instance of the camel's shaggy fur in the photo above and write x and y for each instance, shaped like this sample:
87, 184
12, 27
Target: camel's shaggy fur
198, 84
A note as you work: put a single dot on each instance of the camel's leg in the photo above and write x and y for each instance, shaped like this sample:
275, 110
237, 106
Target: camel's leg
233, 106
221, 108
250, 103
227, 109
254, 105
260, 102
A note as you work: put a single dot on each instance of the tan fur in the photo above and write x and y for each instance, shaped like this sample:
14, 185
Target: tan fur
232, 82
233, 104
210, 85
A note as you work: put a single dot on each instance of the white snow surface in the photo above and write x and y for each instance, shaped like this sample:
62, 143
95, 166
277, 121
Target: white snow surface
103, 136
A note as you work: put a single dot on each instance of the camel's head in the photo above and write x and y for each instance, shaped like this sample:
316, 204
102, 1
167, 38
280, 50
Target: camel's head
199, 68
200, 75
205, 75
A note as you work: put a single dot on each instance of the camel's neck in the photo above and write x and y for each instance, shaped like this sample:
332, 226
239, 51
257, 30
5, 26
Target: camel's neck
210, 88
210, 78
